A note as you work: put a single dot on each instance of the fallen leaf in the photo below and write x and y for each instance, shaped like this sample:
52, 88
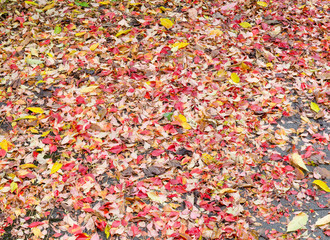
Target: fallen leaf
26, 117
325, 173
88, 89
80, 34
315, 107
57, 166
94, 46
57, 29
298, 222
166, 22
156, 197
262, 4
322, 185
13, 186
323, 221
36, 109
245, 25
182, 119
235, 77
123, 32
33, 62
216, 32
227, 190
27, 165
298, 161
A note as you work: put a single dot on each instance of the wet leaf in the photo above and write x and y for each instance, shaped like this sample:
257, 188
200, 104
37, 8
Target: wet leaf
298, 161
166, 22
322, 185
57, 166
298, 222
315, 107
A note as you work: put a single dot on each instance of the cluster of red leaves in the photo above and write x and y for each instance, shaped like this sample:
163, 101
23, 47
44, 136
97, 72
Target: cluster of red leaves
160, 119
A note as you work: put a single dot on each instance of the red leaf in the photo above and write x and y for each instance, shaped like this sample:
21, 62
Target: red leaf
157, 152
80, 100
115, 224
35, 224
2, 153
117, 149
68, 166
52, 148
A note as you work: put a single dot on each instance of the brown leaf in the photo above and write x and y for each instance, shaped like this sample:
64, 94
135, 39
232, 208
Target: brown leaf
323, 172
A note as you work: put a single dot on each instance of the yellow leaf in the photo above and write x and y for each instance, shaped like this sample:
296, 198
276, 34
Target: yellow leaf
31, 3
298, 161
227, 190
80, 34
122, 32
27, 165
207, 158
4, 144
315, 107
182, 119
36, 109
50, 6
107, 231
104, 3
36, 231
13, 186
156, 197
88, 89
186, 125
44, 134
180, 45
245, 24
57, 166
298, 222
94, 46
262, 4
216, 32
26, 117
322, 185
323, 221
235, 77
166, 22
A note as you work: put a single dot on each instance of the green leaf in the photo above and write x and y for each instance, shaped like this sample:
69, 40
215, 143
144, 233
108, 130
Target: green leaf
168, 115
33, 62
57, 29
81, 4
298, 222
315, 107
